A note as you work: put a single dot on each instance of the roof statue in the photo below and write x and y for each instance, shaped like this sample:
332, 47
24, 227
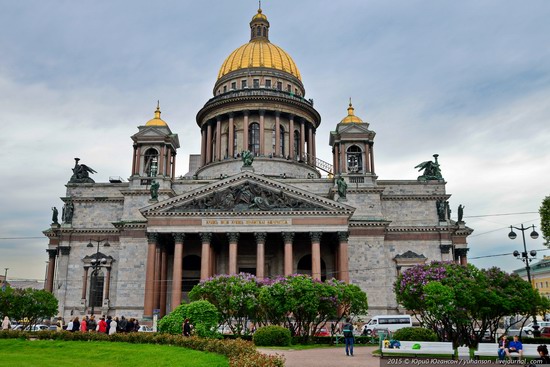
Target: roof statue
247, 158
431, 170
81, 173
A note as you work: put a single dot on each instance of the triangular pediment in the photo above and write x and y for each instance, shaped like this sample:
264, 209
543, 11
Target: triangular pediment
354, 129
247, 193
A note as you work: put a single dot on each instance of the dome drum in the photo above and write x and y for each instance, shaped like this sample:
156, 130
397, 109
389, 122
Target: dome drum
264, 78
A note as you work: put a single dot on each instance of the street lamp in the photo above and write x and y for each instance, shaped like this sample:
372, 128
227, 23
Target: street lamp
526, 258
96, 263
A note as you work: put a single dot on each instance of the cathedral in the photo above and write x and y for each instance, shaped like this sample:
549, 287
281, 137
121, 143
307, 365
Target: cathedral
255, 200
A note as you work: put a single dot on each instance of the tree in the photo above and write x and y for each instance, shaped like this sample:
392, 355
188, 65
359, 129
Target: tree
6, 302
545, 220
235, 297
32, 305
460, 302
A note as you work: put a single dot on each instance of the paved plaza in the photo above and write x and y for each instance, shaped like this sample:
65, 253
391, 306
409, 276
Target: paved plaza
327, 357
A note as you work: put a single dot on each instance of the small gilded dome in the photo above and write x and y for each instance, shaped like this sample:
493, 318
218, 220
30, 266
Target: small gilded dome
351, 118
156, 121
259, 15
259, 53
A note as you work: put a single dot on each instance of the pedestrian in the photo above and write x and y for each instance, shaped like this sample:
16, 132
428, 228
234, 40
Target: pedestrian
70, 325
348, 337
502, 347
108, 321
113, 326
122, 324
92, 324
102, 325
6, 324
130, 325
76, 324
84, 324
186, 328
136, 325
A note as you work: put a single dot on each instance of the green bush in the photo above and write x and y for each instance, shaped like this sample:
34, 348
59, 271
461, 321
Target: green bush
204, 316
415, 334
271, 335
172, 323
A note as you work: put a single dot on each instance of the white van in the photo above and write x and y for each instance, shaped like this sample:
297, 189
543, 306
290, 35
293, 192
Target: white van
387, 322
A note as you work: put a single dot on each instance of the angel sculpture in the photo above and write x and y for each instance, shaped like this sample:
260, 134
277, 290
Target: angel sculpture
431, 170
81, 173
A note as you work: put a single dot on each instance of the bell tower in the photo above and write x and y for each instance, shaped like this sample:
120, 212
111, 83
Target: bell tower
352, 146
154, 152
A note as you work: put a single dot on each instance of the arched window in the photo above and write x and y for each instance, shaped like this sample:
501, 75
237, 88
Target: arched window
265, 31
151, 162
258, 31
282, 139
254, 138
97, 281
191, 272
297, 145
355, 159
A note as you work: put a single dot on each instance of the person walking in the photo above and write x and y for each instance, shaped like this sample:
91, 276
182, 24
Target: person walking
6, 324
113, 326
348, 337
186, 328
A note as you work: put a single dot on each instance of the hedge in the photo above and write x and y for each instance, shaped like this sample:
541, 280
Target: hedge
241, 353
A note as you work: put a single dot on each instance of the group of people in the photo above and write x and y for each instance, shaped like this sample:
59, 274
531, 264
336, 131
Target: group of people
506, 348
108, 325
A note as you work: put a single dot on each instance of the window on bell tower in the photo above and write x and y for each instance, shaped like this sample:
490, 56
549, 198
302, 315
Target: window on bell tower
151, 162
355, 159
254, 138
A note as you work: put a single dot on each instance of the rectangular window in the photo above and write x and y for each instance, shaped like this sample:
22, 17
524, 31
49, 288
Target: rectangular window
234, 85
256, 83
268, 83
279, 85
243, 84
225, 88
288, 88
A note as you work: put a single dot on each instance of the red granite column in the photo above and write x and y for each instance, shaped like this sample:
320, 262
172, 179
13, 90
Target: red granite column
313, 146
231, 152
205, 255
156, 284
173, 164
203, 146
289, 264
233, 250
372, 157
343, 259
208, 143
84, 282
161, 161
163, 280
51, 269
107, 284
262, 132
138, 160
310, 146
218, 153
315, 255
260, 254
291, 137
245, 131
177, 271
277, 152
302, 138
134, 161
150, 276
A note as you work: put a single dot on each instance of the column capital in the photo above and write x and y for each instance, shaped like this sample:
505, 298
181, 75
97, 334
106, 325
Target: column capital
65, 250
291, 116
246, 112
261, 112
206, 237
315, 236
445, 249
178, 237
218, 118
288, 237
260, 237
277, 113
233, 237
231, 115
52, 252
461, 251
343, 236
152, 237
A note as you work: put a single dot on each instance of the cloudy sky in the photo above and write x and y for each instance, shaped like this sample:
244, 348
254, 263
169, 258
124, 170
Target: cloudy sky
469, 80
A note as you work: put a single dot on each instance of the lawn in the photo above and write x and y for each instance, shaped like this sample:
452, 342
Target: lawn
46, 353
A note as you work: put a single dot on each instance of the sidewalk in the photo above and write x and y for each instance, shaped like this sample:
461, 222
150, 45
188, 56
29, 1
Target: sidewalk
327, 357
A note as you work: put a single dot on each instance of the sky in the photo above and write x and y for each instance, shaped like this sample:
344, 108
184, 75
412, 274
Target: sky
468, 80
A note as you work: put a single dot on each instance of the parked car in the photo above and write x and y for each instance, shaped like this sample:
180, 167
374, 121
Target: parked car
529, 328
225, 330
145, 329
38, 327
322, 332
545, 331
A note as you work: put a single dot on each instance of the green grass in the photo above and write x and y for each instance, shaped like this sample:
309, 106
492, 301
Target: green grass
46, 353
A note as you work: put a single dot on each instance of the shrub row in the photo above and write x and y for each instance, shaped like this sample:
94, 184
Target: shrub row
241, 353
415, 334
272, 335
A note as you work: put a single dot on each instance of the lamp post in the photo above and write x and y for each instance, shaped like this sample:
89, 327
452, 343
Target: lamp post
96, 263
5, 283
526, 258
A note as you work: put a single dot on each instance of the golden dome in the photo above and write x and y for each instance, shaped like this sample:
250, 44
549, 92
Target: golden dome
259, 15
156, 121
351, 118
259, 53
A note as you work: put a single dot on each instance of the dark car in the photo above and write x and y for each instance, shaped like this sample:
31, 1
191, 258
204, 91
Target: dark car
545, 332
